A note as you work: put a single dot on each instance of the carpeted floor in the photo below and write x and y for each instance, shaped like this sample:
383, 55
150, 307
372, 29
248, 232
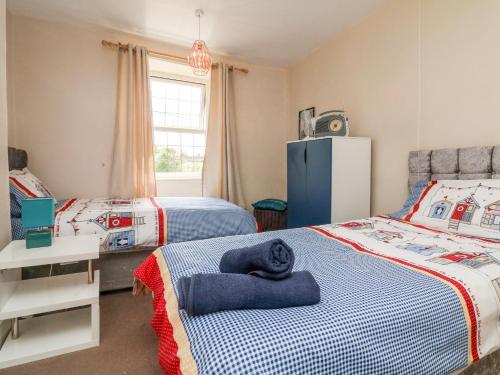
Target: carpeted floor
128, 343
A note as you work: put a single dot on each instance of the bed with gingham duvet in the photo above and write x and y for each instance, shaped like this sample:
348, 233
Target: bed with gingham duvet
396, 298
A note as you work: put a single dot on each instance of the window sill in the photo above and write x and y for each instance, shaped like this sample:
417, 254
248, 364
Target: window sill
179, 177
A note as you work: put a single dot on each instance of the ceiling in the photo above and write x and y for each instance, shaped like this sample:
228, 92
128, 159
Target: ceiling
273, 32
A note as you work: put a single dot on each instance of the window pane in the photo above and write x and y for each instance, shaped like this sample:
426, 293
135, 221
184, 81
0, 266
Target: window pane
195, 122
196, 94
185, 92
160, 138
171, 120
187, 151
184, 107
157, 88
184, 121
158, 119
167, 159
172, 106
172, 90
158, 104
174, 139
187, 139
195, 107
199, 140
199, 152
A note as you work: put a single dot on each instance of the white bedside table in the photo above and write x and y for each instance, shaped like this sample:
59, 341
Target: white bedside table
57, 333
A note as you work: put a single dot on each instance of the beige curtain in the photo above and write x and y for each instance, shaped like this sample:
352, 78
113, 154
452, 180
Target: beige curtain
221, 177
132, 171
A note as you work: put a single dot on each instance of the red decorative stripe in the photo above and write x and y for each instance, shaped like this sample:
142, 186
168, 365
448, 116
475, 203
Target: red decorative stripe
161, 221
417, 205
484, 239
149, 273
23, 188
413, 224
467, 298
66, 205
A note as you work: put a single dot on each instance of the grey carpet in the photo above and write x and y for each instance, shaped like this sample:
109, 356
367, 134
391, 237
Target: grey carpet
128, 343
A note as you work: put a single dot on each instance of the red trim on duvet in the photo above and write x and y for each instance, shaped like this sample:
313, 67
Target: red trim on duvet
161, 222
435, 230
66, 205
23, 188
149, 273
467, 298
417, 205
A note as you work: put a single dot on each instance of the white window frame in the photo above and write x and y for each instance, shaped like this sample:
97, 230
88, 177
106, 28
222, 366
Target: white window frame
190, 81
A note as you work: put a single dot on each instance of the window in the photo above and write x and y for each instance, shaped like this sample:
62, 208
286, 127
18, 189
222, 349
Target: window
179, 127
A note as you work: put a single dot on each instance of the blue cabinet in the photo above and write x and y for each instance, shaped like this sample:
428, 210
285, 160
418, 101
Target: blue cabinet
328, 180
309, 182
296, 182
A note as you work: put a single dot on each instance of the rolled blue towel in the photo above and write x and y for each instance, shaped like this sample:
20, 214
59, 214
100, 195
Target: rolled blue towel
271, 260
211, 292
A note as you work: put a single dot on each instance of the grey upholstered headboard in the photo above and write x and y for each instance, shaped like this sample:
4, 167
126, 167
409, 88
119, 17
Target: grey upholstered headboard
18, 159
471, 163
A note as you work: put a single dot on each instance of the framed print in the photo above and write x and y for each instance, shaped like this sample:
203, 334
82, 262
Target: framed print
305, 118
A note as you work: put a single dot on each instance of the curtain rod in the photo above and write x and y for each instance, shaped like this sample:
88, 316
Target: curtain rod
107, 43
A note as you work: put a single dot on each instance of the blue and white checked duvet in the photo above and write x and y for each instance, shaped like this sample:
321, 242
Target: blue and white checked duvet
192, 219
385, 308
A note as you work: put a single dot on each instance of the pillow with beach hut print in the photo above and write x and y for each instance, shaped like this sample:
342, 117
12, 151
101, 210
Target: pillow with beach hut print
469, 207
23, 184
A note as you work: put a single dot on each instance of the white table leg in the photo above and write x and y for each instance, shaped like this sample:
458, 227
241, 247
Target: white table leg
15, 328
90, 272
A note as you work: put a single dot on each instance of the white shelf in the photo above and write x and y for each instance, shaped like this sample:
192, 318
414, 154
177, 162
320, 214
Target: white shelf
60, 332
50, 335
46, 294
63, 249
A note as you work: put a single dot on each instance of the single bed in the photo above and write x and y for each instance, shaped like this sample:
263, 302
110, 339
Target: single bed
397, 296
130, 229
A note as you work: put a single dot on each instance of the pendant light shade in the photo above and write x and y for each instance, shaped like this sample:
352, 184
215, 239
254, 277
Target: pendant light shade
199, 58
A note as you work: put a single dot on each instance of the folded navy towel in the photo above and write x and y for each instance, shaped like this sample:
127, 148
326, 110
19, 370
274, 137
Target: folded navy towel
211, 292
271, 260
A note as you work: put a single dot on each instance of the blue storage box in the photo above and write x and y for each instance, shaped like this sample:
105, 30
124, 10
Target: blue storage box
37, 212
38, 238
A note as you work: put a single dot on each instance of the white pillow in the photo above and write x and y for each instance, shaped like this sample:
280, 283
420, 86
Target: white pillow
27, 184
470, 207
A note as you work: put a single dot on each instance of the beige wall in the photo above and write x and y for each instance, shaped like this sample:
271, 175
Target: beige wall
435, 63
372, 71
4, 170
62, 103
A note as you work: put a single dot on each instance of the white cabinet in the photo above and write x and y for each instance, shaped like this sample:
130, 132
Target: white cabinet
328, 180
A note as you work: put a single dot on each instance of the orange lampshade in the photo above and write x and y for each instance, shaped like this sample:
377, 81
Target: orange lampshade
199, 58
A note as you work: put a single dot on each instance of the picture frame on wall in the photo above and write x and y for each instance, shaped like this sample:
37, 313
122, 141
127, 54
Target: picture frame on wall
305, 118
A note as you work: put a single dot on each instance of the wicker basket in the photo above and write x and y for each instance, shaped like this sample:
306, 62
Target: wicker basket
270, 220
